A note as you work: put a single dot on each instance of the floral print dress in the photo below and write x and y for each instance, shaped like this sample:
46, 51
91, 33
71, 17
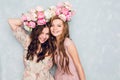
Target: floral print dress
33, 70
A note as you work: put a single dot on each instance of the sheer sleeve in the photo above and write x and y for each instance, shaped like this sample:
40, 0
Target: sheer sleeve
22, 37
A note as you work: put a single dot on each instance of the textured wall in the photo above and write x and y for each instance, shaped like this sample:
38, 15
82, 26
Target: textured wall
95, 29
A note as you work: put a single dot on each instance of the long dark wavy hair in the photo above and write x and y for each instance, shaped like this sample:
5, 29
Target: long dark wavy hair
46, 47
64, 59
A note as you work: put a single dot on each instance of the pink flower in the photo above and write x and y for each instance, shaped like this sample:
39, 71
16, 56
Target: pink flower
40, 15
41, 22
64, 11
68, 16
24, 17
58, 11
32, 24
26, 23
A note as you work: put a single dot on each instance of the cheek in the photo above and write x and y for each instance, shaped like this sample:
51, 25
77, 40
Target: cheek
61, 29
47, 36
51, 29
39, 36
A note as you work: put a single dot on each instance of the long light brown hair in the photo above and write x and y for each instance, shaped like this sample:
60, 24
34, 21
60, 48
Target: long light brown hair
64, 59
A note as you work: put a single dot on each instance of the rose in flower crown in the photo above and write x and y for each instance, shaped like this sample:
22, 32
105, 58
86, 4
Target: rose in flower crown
64, 11
37, 16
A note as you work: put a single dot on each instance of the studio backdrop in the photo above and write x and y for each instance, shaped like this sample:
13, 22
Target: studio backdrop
95, 30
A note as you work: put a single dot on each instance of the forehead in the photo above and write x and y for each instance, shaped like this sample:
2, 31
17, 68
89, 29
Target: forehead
57, 21
45, 30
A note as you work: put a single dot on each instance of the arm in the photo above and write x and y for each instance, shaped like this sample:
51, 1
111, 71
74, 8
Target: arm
22, 37
14, 23
19, 32
75, 57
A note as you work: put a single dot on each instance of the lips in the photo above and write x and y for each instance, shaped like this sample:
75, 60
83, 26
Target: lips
42, 40
55, 31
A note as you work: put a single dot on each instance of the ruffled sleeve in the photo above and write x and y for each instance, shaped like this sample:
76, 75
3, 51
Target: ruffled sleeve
22, 37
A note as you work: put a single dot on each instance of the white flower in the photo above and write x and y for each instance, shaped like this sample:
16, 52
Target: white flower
63, 17
53, 13
34, 16
53, 8
68, 5
27, 28
32, 11
28, 16
39, 8
48, 14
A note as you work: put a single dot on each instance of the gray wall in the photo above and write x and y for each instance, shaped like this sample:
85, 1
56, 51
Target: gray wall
95, 29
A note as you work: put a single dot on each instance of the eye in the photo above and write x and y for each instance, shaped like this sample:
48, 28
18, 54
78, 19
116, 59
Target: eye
47, 33
59, 25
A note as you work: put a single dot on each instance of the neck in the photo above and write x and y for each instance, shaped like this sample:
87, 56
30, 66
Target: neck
58, 38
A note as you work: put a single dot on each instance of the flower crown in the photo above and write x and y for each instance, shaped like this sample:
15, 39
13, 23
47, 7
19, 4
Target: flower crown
64, 11
39, 16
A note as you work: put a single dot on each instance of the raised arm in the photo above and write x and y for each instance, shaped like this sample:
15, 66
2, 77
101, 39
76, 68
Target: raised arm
14, 23
74, 55
19, 32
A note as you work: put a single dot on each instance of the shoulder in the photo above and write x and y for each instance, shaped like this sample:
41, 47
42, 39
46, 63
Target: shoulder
70, 47
68, 42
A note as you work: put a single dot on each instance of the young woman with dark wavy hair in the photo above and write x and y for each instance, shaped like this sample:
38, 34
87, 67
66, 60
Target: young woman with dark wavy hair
66, 55
38, 50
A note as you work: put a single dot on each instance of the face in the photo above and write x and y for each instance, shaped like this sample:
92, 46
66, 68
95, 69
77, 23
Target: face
44, 35
57, 27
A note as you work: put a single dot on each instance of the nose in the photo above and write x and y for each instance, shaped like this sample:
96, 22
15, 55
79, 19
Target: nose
54, 28
44, 36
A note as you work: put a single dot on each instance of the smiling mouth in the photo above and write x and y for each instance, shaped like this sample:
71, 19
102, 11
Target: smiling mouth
55, 31
43, 40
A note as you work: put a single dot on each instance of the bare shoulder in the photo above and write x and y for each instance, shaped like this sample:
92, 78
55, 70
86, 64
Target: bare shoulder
68, 42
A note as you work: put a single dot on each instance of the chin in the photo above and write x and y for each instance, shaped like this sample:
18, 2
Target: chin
55, 35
